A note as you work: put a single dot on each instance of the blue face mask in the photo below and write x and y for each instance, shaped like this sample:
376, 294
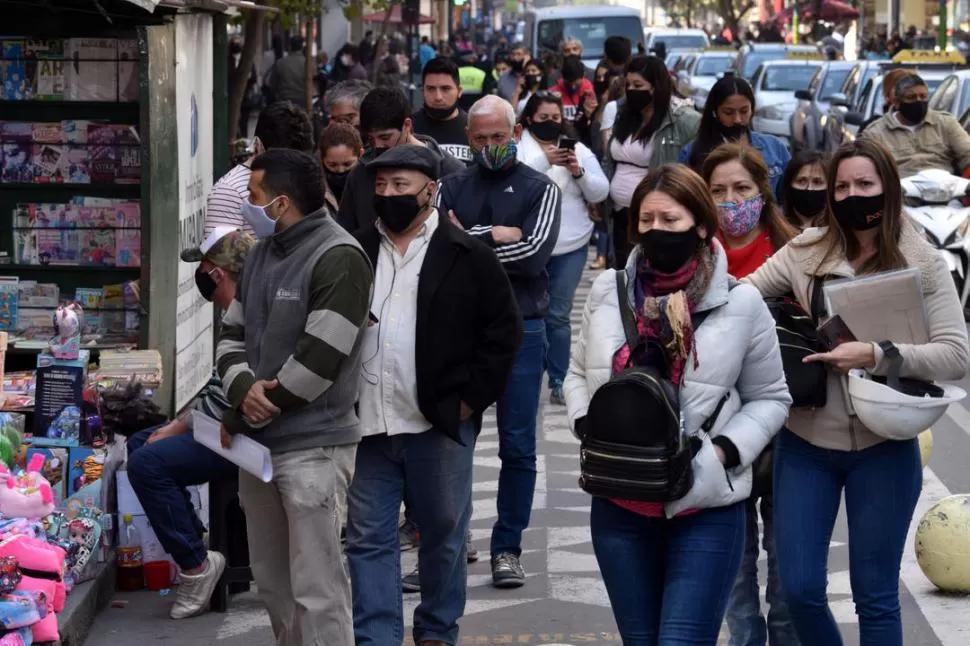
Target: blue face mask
495, 156
258, 218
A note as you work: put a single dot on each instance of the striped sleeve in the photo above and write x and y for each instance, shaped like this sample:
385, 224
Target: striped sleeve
236, 375
223, 206
540, 228
340, 294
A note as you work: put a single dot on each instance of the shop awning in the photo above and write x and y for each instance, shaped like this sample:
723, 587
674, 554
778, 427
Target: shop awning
395, 17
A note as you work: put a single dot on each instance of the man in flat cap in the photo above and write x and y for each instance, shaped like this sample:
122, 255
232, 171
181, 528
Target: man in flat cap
439, 353
164, 461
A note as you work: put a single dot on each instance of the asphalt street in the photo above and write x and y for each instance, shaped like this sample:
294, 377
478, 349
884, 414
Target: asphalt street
564, 602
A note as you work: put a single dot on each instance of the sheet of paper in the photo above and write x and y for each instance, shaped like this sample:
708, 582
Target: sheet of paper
881, 307
246, 453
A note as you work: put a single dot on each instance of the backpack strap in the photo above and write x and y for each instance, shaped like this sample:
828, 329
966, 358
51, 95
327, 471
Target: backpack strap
817, 304
626, 312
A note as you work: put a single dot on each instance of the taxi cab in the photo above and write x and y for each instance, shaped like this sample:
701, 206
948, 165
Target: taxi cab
953, 95
704, 70
775, 84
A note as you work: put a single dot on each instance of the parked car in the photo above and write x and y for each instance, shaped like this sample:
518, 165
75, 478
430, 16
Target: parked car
752, 55
953, 94
705, 69
694, 39
811, 113
775, 84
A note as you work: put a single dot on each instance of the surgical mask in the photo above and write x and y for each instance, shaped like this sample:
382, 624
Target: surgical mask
494, 157
740, 218
205, 283
440, 114
732, 133
915, 111
259, 219
639, 100
397, 212
859, 212
668, 251
808, 202
346, 60
546, 130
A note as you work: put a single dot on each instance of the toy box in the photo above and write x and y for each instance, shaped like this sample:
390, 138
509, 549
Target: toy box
59, 400
54, 469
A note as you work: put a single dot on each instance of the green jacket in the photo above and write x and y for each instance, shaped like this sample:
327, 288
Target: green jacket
676, 131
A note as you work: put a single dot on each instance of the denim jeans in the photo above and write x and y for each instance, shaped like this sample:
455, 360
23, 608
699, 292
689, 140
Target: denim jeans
159, 473
565, 272
437, 472
516, 413
602, 239
744, 618
881, 485
668, 579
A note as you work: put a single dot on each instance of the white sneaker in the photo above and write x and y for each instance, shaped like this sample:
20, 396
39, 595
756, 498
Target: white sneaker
195, 590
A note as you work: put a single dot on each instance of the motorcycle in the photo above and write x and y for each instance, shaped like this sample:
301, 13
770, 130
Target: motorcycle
935, 204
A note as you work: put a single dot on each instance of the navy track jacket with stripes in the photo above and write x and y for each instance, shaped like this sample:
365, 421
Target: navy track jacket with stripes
517, 197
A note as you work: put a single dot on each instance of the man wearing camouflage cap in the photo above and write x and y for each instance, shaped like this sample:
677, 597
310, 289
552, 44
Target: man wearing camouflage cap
163, 461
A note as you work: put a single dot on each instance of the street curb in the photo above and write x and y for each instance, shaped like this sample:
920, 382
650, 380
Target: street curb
84, 603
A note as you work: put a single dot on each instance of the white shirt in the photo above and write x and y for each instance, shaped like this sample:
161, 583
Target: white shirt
609, 116
632, 161
388, 388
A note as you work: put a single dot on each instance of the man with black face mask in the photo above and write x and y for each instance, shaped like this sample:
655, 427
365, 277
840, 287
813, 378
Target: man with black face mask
438, 353
918, 137
442, 118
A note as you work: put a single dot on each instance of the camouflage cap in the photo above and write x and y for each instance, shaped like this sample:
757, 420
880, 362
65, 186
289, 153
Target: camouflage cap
225, 247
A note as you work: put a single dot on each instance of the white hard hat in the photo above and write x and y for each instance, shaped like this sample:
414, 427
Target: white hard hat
898, 409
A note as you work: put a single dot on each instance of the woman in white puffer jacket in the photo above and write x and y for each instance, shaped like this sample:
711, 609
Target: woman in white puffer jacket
668, 568
578, 175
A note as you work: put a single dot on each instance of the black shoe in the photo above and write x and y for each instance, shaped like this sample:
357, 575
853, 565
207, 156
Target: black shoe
411, 582
408, 533
472, 556
507, 571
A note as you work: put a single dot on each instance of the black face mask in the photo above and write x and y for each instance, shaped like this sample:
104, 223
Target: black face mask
668, 251
439, 114
532, 80
914, 112
638, 100
546, 130
807, 202
517, 66
859, 212
600, 87
336, 182
732, 133
397, 212
205, 283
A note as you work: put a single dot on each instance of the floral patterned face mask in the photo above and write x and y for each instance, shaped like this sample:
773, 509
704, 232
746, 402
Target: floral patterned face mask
496, 156
740, 218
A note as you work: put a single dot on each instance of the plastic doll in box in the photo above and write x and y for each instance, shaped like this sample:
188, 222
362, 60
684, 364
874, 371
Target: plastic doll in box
67, 321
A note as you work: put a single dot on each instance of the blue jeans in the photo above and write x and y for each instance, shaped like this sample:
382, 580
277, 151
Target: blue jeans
159, 473
744, 618
668, 579
602, 239
517, 414
565, 272
881, 485
437, 472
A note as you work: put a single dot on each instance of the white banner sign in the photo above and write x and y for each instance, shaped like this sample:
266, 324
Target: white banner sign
193, 105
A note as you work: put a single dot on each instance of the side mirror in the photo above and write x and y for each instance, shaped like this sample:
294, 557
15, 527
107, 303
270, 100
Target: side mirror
840, 100
854, 118
803, 95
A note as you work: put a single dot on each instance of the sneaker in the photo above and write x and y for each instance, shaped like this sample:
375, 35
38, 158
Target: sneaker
599, 263
507, 571
556, 396
472, 550
408, 533
411, 582
195, 590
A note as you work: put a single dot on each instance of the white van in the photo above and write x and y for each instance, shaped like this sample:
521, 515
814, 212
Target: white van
547, 28
679, 39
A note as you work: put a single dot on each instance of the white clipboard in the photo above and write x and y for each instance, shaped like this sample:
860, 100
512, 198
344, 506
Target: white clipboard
246, 453
887, 306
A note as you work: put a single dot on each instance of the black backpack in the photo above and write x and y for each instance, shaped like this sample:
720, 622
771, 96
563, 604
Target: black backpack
798, 337
633, 445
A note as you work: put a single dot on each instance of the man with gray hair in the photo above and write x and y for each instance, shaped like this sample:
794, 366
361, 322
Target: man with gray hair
343, 101
918, 137
515, 210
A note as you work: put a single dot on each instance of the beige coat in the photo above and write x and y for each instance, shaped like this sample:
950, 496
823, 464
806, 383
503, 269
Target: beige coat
944, 358
938, 142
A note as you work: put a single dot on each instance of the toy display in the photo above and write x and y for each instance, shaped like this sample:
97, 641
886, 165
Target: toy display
67, 321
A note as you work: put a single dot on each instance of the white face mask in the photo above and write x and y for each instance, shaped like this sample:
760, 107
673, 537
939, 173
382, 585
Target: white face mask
346, 60
258, 218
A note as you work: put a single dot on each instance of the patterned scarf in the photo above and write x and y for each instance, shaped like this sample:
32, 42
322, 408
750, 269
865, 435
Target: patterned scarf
664, 305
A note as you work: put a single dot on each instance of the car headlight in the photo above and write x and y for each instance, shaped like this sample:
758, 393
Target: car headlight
824, 120
775, 112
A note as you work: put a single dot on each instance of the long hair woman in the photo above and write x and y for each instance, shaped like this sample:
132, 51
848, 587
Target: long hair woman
650, 131
826, 452
727, 119
669, 565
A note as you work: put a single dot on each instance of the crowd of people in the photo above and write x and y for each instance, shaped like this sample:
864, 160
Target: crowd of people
384, 286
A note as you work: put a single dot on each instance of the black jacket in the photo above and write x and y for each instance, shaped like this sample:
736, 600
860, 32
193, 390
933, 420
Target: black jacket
518, 197
357, 202
468, 329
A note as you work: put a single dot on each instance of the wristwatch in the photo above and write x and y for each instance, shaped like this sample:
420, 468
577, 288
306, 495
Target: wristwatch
582, 171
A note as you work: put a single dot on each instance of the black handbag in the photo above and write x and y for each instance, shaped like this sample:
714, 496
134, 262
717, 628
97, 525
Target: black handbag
798, 337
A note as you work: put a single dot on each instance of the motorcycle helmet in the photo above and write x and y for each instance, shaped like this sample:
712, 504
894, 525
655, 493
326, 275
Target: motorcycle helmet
898, 408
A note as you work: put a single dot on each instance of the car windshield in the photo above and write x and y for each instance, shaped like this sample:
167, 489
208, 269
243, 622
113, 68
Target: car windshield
754, 58
833, 83
712, 65
591, 32
680, 41
780, 78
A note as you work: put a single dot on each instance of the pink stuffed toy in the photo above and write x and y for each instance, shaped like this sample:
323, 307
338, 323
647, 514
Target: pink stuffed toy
26, 495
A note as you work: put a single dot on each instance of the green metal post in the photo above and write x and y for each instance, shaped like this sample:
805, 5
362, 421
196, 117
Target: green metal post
941, 38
